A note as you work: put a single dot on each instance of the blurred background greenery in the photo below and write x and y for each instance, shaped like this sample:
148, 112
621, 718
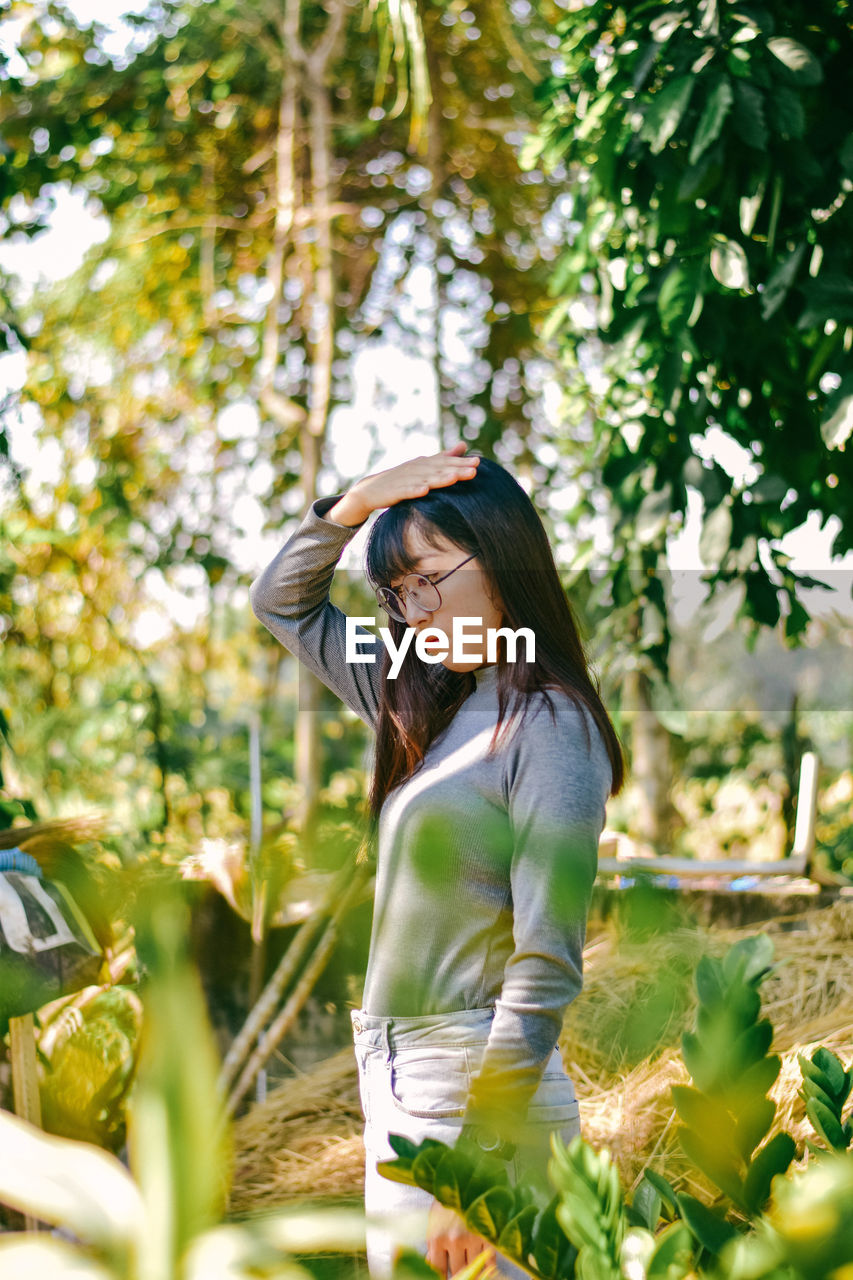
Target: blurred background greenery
253, 250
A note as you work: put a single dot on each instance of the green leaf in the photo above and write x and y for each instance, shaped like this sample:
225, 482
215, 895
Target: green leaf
673, 1255
716, 1165
666, 24
453, 1169
773, 1158
800, 61
490, 1212
581, 1223
556, 318
68, 1184
705, 1115
177, 1128
702, 1072
712, 1231
748, 209
751, 958
769, 488
750, 1046
488, 1172
715, 538
712, 119
664, 113
647, 1204
403, 1146
676, 297
837, 421
664, 1188
409, 1264
729, 264
811, 1073
838, 1081
780, 280
762, 598
516, 1239
787, 115
399, 1170
424, 1166
826, 1124
709, 974
32, 1257
753, 1125
549, 1239
796, 621
652, 515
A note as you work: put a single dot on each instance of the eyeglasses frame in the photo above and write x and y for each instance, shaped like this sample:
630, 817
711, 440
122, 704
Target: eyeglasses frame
395, 591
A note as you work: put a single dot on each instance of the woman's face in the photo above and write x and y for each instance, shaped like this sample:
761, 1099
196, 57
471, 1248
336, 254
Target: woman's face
464, 594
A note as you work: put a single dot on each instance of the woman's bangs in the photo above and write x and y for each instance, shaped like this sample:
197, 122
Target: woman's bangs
386, 552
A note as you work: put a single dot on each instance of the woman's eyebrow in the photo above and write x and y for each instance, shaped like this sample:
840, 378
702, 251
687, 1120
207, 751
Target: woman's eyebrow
417, 569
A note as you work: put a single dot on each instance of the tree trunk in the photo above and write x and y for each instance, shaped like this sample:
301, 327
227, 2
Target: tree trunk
656, 819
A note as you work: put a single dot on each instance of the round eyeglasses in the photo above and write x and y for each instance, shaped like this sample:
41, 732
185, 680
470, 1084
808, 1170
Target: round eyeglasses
417, 588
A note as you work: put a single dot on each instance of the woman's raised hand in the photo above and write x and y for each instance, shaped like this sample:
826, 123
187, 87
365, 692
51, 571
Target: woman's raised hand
410, 479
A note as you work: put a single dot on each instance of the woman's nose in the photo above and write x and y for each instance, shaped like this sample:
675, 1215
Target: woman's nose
414, 611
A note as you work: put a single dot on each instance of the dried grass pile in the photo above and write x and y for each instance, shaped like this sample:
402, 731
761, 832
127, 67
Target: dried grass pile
304, 1140
620, 1045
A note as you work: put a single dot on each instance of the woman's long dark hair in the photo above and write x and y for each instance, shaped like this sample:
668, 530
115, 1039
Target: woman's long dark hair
490, 516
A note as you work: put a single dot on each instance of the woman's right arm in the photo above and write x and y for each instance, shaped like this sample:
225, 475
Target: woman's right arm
291, 596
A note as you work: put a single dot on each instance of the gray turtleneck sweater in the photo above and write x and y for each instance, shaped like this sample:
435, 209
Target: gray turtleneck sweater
485, 864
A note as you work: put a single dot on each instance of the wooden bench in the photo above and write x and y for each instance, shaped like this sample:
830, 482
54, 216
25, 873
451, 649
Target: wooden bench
797, 863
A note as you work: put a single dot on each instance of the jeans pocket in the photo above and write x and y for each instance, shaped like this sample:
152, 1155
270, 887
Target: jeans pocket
554, 1104
430, 1082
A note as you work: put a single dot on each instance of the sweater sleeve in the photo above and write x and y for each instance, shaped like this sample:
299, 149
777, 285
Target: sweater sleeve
291, 598
556, 787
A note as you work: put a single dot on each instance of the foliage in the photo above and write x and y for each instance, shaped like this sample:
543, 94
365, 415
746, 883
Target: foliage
725, 1112
163, 1222
826, 1088
88, 1044
834, 833
779, 1222
710, 154
477, 1186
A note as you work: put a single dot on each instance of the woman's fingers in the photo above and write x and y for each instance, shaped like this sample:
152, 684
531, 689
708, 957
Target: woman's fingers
450, 1253
415, 478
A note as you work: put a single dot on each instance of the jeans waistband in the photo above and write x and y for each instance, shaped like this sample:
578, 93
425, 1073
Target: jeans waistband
391, 1031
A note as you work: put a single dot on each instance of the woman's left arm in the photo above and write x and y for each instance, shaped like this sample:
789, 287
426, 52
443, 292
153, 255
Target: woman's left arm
557, 785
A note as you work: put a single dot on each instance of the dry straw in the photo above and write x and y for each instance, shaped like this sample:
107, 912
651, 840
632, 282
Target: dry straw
620, 1045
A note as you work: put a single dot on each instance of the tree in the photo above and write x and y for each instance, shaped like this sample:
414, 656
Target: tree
710, 149
705, 287
264, 216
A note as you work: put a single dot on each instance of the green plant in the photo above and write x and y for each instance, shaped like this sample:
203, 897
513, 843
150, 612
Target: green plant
514, 1219
826, 1087
725, 1112
162, 1220
806, 1233
772, 1222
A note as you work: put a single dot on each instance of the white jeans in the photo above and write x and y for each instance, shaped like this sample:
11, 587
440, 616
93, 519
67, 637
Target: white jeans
414, 1076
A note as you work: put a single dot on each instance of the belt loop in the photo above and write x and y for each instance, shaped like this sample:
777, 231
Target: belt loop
388, 1046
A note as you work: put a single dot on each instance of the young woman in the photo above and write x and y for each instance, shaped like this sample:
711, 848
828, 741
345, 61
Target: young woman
492, 770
